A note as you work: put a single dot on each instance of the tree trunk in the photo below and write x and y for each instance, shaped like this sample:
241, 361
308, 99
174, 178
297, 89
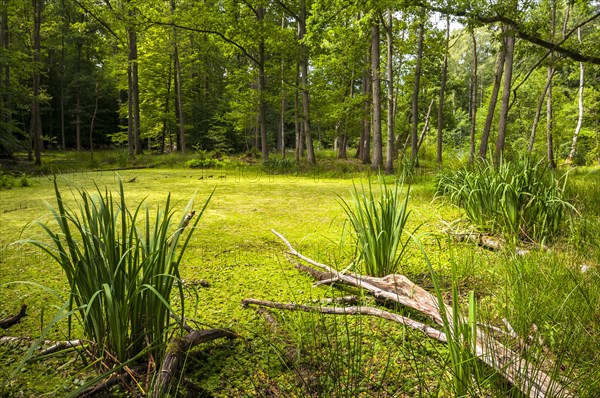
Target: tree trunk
502, 123
389, 164
130, 124
493, 99
538, 111
92, 121
377, 161
310, 152
262, 122
550, 121
297, 118
551, 71
425, 127
4, 79
573, 151
364, 152
178, 84
281, 141
35, 109
473, 99
78, 122
165, 129
62, 84
136, 93
415, 95
440, 127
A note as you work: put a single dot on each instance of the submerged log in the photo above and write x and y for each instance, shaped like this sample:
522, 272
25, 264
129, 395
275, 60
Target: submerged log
177, 351
520, 372
13, 319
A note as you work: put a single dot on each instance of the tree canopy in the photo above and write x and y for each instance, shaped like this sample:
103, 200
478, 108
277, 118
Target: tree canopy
266, 75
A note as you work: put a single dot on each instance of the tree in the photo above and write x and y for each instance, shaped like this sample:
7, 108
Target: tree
304, 84
36, 117
444, 74
500, 60
416, 88
377, 161
502, 123
473, 99
573, 150
178, 83
389, 164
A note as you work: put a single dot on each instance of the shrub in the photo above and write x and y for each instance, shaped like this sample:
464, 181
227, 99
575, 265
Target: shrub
122, 266
6, 181
520, 199
204, 163
276, 165
379, 225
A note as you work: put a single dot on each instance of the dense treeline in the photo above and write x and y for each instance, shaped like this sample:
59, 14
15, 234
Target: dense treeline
379, 76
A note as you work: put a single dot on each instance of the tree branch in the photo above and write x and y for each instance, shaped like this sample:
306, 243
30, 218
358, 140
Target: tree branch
427, 330
211, 32
520, 30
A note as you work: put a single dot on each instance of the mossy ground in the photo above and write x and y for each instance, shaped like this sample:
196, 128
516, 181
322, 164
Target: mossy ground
237, 254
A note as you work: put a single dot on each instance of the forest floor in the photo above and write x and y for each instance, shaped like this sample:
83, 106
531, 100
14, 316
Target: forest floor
236, 253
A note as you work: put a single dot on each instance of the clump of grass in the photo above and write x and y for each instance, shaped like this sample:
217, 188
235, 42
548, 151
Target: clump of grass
521, 199
122, 265
379, 225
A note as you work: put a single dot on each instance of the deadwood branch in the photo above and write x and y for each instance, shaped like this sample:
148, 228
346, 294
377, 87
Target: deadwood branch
518, 371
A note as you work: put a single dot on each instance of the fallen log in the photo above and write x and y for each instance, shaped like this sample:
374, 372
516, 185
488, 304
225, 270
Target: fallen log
427, 330
177, 351
13, 319
532, 381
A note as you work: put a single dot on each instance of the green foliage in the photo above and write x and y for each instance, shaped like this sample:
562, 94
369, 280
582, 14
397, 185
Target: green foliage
521, 199
122, 267
278, 165
7, 181
558, 305
380, 226
204, 163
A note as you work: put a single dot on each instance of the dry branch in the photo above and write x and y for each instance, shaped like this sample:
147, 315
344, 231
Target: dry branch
371, 311
62, 345
55, 346
531, 380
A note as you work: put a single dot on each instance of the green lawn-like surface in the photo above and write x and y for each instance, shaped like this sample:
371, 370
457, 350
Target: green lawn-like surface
234, 250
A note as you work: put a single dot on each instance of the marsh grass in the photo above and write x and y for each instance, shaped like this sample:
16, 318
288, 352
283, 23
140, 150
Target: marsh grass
335, 356
555, 307
521, 199
379, 224
122, 267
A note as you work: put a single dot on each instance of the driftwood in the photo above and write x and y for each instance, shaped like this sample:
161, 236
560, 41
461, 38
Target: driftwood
13, 319
486, 241
55, 346
532, 381
177, 351
428, 330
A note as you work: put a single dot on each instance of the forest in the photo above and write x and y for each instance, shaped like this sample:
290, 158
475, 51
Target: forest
312, 198
234, 76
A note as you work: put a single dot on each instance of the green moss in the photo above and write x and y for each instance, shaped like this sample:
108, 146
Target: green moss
234, 250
